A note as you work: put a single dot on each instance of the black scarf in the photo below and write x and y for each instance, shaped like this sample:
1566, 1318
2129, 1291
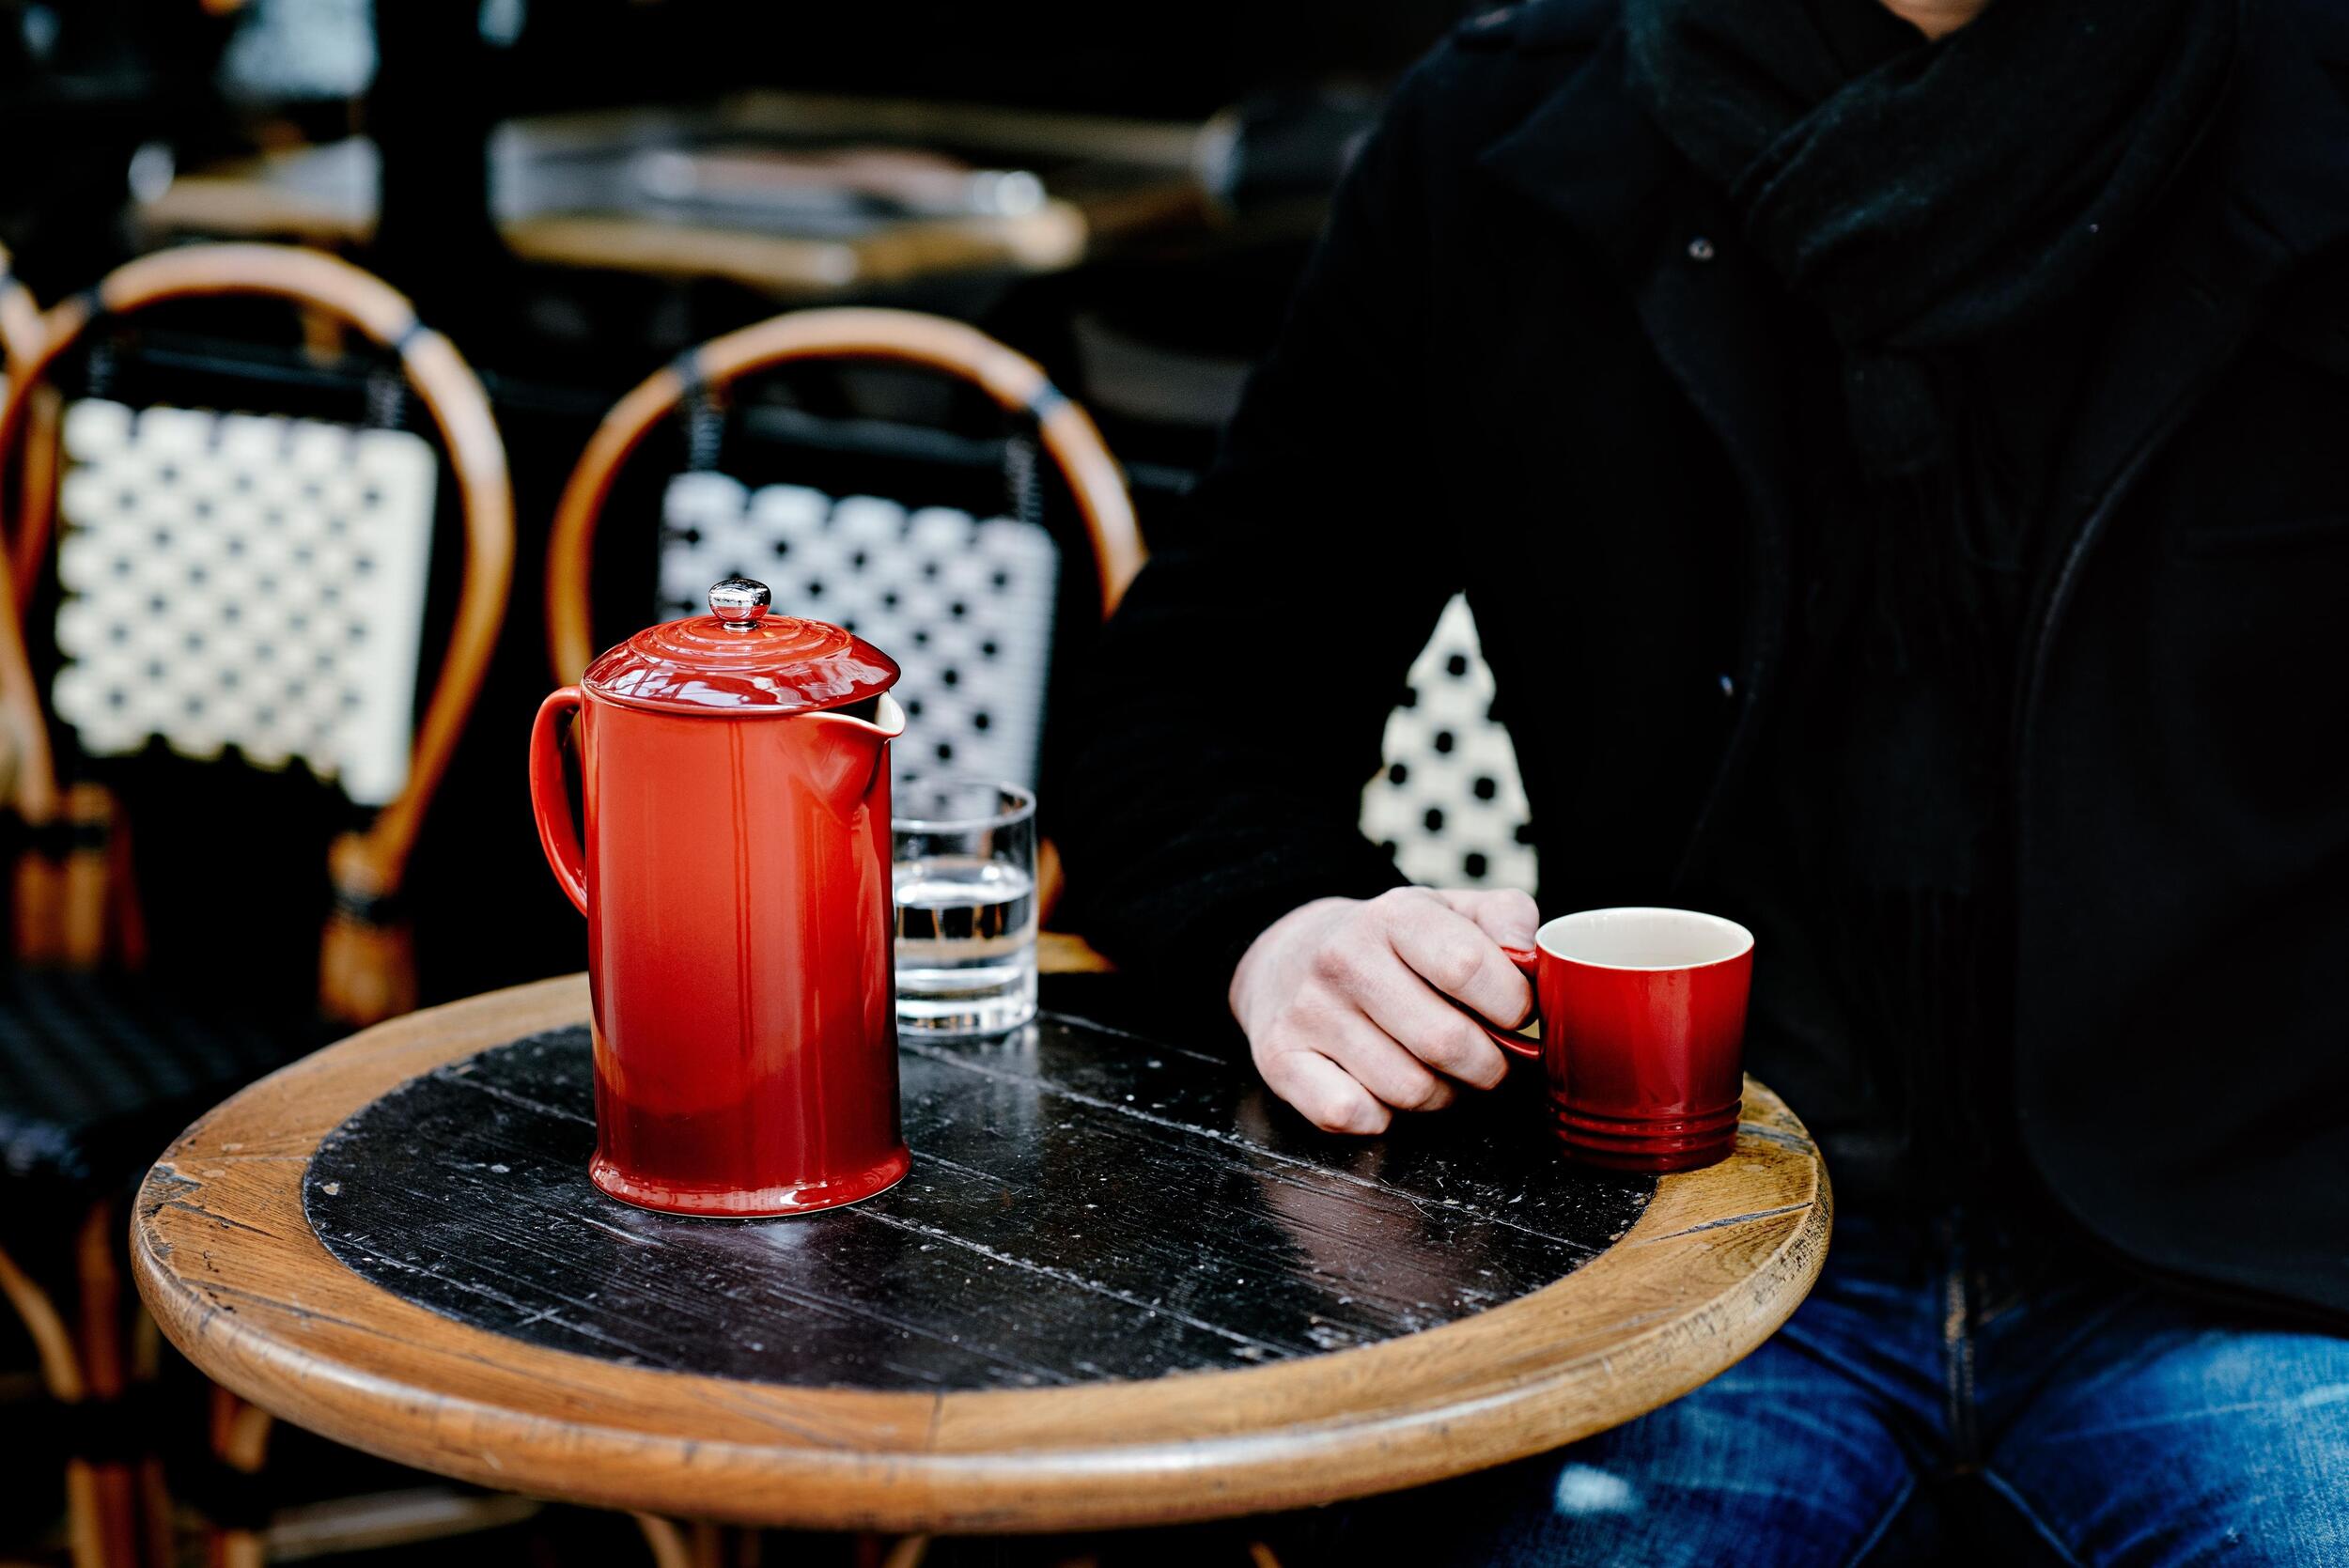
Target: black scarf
1949, 194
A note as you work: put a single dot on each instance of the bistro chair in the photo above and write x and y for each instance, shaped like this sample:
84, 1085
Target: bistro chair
76, 1364
80, 1361
1447, 802
966, 602
213, 583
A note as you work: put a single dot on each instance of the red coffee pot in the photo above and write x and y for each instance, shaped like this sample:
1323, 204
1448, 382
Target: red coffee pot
734, 875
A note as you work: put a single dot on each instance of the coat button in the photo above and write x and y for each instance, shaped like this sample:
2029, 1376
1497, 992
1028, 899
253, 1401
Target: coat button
1699, 249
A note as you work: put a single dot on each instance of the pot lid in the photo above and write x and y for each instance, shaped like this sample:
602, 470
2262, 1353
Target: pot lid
738, 659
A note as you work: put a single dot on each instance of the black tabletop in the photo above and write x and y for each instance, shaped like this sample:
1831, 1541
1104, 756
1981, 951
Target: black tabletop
1085, 1203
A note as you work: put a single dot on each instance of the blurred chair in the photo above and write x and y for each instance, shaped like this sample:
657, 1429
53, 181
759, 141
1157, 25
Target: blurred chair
966, 603
1448, 802
254, 581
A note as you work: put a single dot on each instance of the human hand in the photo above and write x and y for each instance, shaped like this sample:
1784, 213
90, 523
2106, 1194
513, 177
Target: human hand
1343, 1001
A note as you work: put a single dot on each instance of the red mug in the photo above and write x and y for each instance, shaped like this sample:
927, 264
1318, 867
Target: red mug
1643, 1026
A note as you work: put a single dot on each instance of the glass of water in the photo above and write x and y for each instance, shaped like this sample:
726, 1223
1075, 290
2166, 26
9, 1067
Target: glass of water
966, 905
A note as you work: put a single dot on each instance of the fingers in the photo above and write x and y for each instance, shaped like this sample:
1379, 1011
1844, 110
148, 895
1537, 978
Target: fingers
1459, 957
1346, 1074
1507, 915
1386, 965
1323, 1092
1399, 1002
1380, 1064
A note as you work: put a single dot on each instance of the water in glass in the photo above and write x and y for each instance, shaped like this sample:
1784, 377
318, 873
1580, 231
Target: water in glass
966, 944
966, 908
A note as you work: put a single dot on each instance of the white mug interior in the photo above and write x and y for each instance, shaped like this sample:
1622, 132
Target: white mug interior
1645, 939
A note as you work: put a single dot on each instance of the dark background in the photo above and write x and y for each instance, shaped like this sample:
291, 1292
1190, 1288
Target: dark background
1153, 329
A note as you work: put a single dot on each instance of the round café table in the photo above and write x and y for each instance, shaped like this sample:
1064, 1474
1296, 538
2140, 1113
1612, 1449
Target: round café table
1120, 1286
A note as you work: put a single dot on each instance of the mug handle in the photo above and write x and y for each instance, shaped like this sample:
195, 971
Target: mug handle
558, 831
1527, 960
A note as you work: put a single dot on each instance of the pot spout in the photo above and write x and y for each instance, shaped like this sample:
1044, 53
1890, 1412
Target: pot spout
851, 754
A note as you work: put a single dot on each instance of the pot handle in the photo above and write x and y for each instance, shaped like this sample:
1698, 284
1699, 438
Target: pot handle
558, 829
1523, 1047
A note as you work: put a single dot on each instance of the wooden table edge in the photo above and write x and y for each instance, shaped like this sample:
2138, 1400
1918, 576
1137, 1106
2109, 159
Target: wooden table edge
279, 1321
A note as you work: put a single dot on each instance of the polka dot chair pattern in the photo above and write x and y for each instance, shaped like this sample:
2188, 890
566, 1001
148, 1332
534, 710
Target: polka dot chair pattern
247, 581
1448, 803
964, 606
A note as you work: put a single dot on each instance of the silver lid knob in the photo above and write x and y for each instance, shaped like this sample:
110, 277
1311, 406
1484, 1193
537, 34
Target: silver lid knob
739, 602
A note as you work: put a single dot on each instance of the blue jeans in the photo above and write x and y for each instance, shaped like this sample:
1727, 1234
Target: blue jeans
1940, 1388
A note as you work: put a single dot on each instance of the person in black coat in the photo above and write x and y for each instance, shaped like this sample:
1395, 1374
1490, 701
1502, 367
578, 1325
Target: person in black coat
1898, 460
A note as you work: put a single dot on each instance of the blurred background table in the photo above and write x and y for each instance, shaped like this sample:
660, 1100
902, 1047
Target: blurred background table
798, 196
1120, 1286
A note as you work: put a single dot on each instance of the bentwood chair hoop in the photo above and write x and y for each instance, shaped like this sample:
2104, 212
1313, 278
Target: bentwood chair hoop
1013, 380
21, 332
21, 328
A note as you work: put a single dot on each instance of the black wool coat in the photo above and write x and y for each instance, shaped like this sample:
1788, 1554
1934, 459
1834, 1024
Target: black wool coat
1531, 361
